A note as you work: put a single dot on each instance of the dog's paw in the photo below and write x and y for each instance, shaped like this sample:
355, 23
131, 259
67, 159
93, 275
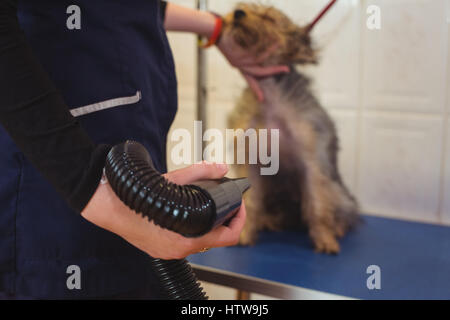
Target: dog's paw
339, 231
326, 244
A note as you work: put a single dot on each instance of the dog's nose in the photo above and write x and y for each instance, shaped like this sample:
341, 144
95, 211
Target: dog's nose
238, 14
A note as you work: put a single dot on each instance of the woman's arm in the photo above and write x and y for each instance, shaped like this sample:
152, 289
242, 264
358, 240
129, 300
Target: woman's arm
178, 18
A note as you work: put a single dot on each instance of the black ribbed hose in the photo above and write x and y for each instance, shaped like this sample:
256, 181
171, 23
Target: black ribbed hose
187, 210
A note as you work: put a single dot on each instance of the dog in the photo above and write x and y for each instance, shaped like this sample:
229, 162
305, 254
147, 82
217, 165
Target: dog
307, 192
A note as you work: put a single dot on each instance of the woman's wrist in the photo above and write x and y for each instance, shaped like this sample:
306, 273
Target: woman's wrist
215, 36
207, 22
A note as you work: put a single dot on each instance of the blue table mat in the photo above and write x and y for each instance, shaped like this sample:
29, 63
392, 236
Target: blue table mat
414, 260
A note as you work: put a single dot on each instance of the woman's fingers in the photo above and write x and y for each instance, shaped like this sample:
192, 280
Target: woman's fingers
265, 55
250, 72
258, 71
198, 171
221, 236
224, 236
238, 221
254, 86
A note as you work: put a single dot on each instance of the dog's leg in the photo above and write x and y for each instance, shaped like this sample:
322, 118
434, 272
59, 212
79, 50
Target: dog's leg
318, 210
346, 212
251, 228
345, 206
317, 199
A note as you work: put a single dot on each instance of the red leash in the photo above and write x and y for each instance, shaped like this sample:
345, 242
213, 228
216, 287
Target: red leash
320, 15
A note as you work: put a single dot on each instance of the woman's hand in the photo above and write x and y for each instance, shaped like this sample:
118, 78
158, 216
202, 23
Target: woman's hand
250, 66
106, 210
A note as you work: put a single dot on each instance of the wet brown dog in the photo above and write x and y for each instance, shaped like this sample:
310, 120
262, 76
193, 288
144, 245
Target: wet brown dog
307, 191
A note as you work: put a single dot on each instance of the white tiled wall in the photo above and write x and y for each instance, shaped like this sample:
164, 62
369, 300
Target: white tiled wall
400, 160
405, 63
404, 93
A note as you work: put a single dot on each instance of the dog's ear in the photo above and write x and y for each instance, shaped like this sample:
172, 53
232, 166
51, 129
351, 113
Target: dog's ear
299, 48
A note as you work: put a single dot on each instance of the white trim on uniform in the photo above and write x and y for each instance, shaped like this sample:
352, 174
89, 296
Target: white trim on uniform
106, 104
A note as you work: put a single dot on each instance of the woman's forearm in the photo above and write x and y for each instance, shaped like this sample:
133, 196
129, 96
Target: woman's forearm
178, 18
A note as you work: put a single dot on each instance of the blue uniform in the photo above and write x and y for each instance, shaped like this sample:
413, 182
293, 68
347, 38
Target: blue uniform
116, 73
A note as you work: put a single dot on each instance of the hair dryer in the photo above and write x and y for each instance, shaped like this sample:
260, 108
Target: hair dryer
190, 210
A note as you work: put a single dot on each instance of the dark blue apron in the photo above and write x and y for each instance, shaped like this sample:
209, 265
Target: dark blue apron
117, 75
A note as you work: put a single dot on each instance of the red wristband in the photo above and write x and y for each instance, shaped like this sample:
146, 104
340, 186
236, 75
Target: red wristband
215, 35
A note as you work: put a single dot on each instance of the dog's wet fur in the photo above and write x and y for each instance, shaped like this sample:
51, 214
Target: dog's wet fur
307, 192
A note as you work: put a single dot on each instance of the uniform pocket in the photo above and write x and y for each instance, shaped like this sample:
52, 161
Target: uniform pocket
107, 104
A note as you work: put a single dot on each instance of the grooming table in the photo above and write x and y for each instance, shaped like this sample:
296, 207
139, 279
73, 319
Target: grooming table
414, 260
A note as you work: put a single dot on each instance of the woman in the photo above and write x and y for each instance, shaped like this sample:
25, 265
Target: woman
76, 78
